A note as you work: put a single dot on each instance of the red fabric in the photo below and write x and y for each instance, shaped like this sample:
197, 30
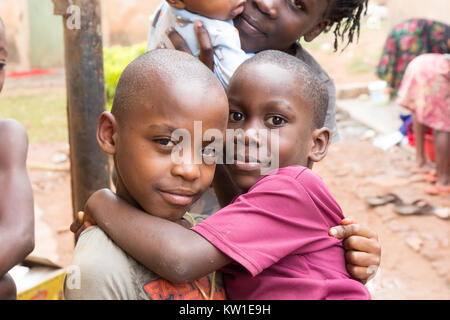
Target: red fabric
28, 73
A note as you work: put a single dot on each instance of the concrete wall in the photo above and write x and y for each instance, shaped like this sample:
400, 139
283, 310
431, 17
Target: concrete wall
400, 10
35, 35
15, 16
46, 35
126, 22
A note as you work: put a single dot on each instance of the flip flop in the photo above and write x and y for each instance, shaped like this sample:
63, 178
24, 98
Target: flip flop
435, 190
382, 200
443, 213
418, 207
430, 177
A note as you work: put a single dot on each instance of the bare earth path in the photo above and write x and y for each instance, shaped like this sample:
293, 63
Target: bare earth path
415, 249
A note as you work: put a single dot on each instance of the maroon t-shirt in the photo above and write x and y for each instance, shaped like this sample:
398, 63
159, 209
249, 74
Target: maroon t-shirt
277, 235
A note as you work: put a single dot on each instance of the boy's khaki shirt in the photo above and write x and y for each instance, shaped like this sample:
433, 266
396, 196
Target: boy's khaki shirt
108, 273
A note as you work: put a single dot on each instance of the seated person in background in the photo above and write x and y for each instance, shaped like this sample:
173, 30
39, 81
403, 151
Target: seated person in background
406, 41
272, 241
425, 91
216, 16
16, 196
149, 105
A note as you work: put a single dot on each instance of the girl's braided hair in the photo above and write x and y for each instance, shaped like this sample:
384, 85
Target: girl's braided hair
345, 17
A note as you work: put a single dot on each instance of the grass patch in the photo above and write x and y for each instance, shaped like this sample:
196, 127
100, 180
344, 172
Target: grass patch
44, 116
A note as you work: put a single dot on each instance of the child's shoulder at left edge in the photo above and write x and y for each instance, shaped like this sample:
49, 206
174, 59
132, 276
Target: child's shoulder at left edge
13, 140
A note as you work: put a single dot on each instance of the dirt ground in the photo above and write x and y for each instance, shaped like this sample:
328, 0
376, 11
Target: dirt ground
415, 249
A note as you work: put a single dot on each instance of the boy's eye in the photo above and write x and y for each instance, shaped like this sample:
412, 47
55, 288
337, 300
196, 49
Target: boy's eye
276, 121
209, 152
236, 116
297, 3
166, 142
2, 66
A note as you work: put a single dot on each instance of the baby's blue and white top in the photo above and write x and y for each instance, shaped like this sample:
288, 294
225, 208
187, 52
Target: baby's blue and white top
228, 55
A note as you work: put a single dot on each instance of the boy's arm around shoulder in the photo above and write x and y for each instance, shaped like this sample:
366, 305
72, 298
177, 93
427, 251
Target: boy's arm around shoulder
165, 247
16, 197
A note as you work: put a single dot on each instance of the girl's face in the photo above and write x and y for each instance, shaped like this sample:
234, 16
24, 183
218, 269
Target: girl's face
278, 24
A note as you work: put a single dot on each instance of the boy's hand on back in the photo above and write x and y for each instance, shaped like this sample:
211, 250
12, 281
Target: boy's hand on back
204, 41
82, 222
362, 248
94, 204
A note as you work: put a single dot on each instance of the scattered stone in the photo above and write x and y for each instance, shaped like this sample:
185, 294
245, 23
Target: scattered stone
369, 134
59, 157
444, 242
441, 268
430, 250
428, 236
415, 243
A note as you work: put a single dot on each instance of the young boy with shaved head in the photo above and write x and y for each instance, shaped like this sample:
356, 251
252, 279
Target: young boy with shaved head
158, 93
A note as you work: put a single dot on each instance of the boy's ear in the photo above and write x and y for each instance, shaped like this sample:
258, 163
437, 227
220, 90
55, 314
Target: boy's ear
177, 4
107, 132
314, 33
320, 143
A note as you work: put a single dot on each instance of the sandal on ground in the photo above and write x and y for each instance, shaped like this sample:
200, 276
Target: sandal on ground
435, 190
443, 213
382, 200
418, 207
430, 177
421, 207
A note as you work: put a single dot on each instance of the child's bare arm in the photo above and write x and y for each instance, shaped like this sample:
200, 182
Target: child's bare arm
16, 198
165, 247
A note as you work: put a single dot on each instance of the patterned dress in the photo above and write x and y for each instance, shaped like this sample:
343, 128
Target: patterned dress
406, 41
425, 90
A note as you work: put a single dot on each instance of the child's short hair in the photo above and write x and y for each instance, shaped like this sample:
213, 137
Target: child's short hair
153, 67
345, 16
312, 86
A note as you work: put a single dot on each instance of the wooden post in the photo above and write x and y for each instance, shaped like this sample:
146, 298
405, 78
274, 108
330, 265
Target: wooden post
85, 96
